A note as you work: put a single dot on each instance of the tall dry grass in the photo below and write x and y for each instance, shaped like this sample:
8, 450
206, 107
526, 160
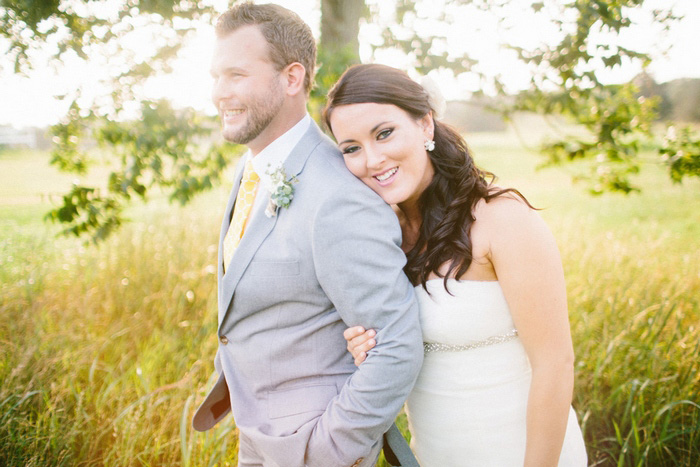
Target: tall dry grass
108, 345
106, 350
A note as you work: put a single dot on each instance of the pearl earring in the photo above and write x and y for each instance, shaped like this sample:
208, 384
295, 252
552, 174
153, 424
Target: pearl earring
429, 144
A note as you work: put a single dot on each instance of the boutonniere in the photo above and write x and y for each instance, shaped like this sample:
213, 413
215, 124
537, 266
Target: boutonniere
282, 190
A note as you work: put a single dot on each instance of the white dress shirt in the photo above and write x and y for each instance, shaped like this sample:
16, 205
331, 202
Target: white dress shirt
271, 158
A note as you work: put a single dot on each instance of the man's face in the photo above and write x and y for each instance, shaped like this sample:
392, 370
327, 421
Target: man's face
247, 90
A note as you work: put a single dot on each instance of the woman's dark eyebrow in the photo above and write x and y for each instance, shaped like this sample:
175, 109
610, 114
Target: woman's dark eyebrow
374, 128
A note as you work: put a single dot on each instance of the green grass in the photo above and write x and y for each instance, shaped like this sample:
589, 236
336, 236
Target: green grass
107, 350
633, 275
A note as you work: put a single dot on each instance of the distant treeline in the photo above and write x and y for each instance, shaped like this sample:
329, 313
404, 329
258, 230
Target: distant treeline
680, 98
473, 115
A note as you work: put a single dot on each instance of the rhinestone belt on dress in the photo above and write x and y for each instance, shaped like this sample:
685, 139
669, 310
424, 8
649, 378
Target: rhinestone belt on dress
437, 347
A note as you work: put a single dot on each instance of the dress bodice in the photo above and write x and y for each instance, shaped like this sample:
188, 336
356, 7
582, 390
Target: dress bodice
468, 407
475, 312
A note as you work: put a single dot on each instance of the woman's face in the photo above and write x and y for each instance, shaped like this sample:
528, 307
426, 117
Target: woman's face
384, 147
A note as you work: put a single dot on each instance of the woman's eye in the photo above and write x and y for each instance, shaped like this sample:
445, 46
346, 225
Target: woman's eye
351, 149
384, 133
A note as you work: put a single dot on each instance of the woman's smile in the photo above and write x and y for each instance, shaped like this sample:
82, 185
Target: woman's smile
386, 177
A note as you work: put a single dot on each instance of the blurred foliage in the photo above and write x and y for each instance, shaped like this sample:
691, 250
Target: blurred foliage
78, 27
157, 146
154, 146
331, 64
165, 148
565, 81
425, 53
681, 153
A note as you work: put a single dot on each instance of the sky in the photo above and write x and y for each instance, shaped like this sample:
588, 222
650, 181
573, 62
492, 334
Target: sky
29, 100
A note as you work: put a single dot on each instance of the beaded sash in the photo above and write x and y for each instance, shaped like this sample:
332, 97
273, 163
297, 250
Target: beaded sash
437, 347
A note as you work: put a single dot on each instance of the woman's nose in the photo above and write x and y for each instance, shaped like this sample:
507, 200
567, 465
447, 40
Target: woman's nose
375, 158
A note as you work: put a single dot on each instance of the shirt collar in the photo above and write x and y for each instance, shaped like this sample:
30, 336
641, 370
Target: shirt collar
275, 153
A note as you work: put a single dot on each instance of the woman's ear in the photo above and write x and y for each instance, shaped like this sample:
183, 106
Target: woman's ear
294, 75
428, 125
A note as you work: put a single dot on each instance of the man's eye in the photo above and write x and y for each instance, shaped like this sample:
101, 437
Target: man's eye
385, 133
351, 149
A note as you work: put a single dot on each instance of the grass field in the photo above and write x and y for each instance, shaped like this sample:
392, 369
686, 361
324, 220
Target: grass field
107, 350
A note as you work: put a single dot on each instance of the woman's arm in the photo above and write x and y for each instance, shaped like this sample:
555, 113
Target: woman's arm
526, 260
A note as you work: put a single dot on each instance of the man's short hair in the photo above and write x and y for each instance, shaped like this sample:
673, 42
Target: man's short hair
288, 36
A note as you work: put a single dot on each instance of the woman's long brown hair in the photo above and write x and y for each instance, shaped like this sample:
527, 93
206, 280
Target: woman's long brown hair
448, 203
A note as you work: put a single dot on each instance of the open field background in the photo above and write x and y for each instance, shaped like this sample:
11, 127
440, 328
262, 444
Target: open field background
107, 350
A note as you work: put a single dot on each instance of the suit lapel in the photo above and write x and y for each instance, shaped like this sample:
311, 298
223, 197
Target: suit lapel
261, 225
258, 228
294, 163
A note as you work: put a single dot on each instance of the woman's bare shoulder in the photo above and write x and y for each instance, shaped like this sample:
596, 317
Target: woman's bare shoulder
508, 208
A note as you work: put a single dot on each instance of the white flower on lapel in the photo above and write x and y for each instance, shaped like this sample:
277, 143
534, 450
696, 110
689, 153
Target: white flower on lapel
282, 190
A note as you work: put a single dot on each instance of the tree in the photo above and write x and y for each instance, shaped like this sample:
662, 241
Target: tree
162, 147
168, 147
619, 122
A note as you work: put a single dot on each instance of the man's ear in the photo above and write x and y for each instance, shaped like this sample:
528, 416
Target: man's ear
293, 75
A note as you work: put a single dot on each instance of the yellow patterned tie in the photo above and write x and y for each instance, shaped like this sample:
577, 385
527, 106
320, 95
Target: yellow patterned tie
244, 201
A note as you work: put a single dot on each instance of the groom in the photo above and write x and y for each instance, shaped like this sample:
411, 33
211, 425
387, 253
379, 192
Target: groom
305, 251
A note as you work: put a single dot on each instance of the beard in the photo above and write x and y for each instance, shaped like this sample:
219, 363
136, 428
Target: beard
261, 110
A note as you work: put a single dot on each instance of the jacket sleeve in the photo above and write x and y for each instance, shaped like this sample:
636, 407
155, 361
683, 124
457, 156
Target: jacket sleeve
359, 263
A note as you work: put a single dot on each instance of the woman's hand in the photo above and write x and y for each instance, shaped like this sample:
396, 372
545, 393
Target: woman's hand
359, 342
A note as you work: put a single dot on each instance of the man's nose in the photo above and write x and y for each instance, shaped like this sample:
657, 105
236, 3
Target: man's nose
218, 91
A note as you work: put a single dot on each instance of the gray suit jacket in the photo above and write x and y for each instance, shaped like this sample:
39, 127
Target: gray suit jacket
332, 259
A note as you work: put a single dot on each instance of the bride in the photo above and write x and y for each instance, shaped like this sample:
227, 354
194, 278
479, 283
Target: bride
497, 379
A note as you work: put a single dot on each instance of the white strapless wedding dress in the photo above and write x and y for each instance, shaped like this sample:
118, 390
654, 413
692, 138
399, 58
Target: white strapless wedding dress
468, 407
